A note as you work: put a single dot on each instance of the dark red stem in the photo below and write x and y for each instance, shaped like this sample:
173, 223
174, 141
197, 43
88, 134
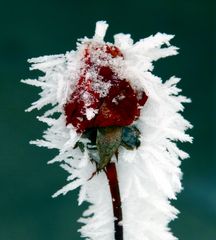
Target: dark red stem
116, 199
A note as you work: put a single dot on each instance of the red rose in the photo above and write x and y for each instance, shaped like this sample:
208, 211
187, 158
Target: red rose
101, 98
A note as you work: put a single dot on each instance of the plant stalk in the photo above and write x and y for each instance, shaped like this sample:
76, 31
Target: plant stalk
111, 174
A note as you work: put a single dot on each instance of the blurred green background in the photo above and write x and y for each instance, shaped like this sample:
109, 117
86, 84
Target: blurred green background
34, 28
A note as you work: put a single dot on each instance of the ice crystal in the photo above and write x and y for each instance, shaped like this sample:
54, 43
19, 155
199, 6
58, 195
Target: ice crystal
149, 176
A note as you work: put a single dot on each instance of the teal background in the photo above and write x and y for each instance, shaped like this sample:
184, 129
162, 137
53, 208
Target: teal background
35, 28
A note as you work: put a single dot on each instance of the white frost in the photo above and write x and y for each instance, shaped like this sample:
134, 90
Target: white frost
100, 31
90, 113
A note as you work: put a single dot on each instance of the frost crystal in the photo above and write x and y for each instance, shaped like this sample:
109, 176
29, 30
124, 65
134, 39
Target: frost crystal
148, 176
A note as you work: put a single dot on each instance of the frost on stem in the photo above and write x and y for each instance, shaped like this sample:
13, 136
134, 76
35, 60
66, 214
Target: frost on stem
149, 176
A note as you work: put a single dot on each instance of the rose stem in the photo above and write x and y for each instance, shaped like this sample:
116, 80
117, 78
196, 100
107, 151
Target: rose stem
111, 174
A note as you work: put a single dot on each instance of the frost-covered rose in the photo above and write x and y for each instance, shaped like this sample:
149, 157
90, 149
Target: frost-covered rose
103, 84
102, 97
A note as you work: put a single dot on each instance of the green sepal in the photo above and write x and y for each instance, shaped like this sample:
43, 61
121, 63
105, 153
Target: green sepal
80, 145
130, 137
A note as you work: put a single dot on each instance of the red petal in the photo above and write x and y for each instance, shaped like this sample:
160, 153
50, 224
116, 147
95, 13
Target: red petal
119, 108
